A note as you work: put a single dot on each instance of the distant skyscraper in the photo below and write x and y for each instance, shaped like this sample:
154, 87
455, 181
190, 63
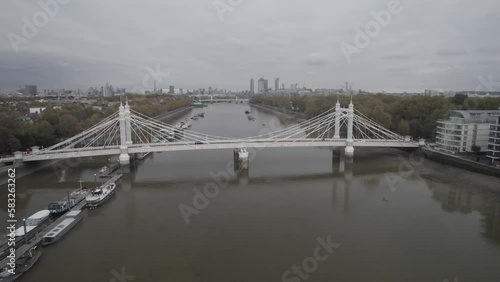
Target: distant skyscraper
266, 85
171, 89
276, 84
282, 86
252, 86
32, 90
181, 91
262, 85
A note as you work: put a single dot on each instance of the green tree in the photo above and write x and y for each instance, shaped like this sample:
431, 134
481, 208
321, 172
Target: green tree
68, 125
403, 127
8, 143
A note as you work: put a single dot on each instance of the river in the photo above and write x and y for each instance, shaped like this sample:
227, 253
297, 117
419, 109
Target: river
298, 215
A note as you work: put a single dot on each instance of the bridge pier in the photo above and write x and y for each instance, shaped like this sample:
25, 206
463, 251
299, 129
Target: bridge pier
124, 156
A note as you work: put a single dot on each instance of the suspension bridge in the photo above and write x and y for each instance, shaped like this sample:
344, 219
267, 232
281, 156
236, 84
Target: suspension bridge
128, 132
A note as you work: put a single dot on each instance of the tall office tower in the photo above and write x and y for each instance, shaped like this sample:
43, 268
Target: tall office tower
276, 84
171, 89
262, 85
282, 86
266, 85
252, 86
32, 90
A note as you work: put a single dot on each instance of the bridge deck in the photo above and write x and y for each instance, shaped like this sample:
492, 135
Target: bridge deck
212, 145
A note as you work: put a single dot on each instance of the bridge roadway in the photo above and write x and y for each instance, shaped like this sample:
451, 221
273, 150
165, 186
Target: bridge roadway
210, 145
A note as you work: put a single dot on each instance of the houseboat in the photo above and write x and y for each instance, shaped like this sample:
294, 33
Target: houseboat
70, 220
34, 222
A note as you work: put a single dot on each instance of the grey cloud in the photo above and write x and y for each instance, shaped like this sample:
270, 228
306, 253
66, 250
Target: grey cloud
89, 43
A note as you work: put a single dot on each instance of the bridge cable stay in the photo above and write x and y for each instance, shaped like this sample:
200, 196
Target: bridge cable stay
154, 129
152, 122
293, 130
71, 142
114, 126
373, 127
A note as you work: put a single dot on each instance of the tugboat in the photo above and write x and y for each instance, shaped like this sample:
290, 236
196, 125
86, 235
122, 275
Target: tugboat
100, 195
23, 264
247, 112
202, 115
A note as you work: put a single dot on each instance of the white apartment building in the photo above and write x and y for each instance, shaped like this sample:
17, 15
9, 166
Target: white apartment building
465, 129
494, 141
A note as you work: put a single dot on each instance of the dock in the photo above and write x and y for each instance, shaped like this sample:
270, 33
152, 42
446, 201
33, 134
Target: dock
35, 241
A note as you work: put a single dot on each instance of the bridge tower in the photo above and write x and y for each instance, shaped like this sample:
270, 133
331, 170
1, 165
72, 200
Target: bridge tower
128, 128
124, 156
338, 114
349, 149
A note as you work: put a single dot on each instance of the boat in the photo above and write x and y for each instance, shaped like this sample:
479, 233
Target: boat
250, 117
70, 220
143, 155
201, 115
23, 264
79, 195
198, 104
33, 223
194, 117
100, 195
64, 204
247, 112
60, 207
182, 125
104, 170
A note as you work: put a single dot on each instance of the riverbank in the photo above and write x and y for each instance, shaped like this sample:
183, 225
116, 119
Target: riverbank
284, 112
173, 114
455, 161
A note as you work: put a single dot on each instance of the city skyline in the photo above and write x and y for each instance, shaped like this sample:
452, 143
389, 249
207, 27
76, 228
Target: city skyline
426, 45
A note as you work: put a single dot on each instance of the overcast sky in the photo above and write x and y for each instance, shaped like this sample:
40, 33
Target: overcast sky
430, 44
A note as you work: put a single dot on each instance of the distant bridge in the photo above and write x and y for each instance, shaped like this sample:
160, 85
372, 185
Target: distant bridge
225, 100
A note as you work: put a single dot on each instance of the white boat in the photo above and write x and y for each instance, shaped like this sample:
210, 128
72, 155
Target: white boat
33, 222
69, 221
243, 153
98, 196
103, 170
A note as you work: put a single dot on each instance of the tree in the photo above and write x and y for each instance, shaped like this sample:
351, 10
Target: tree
403, 127
8, 143
68, 125
476, 149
